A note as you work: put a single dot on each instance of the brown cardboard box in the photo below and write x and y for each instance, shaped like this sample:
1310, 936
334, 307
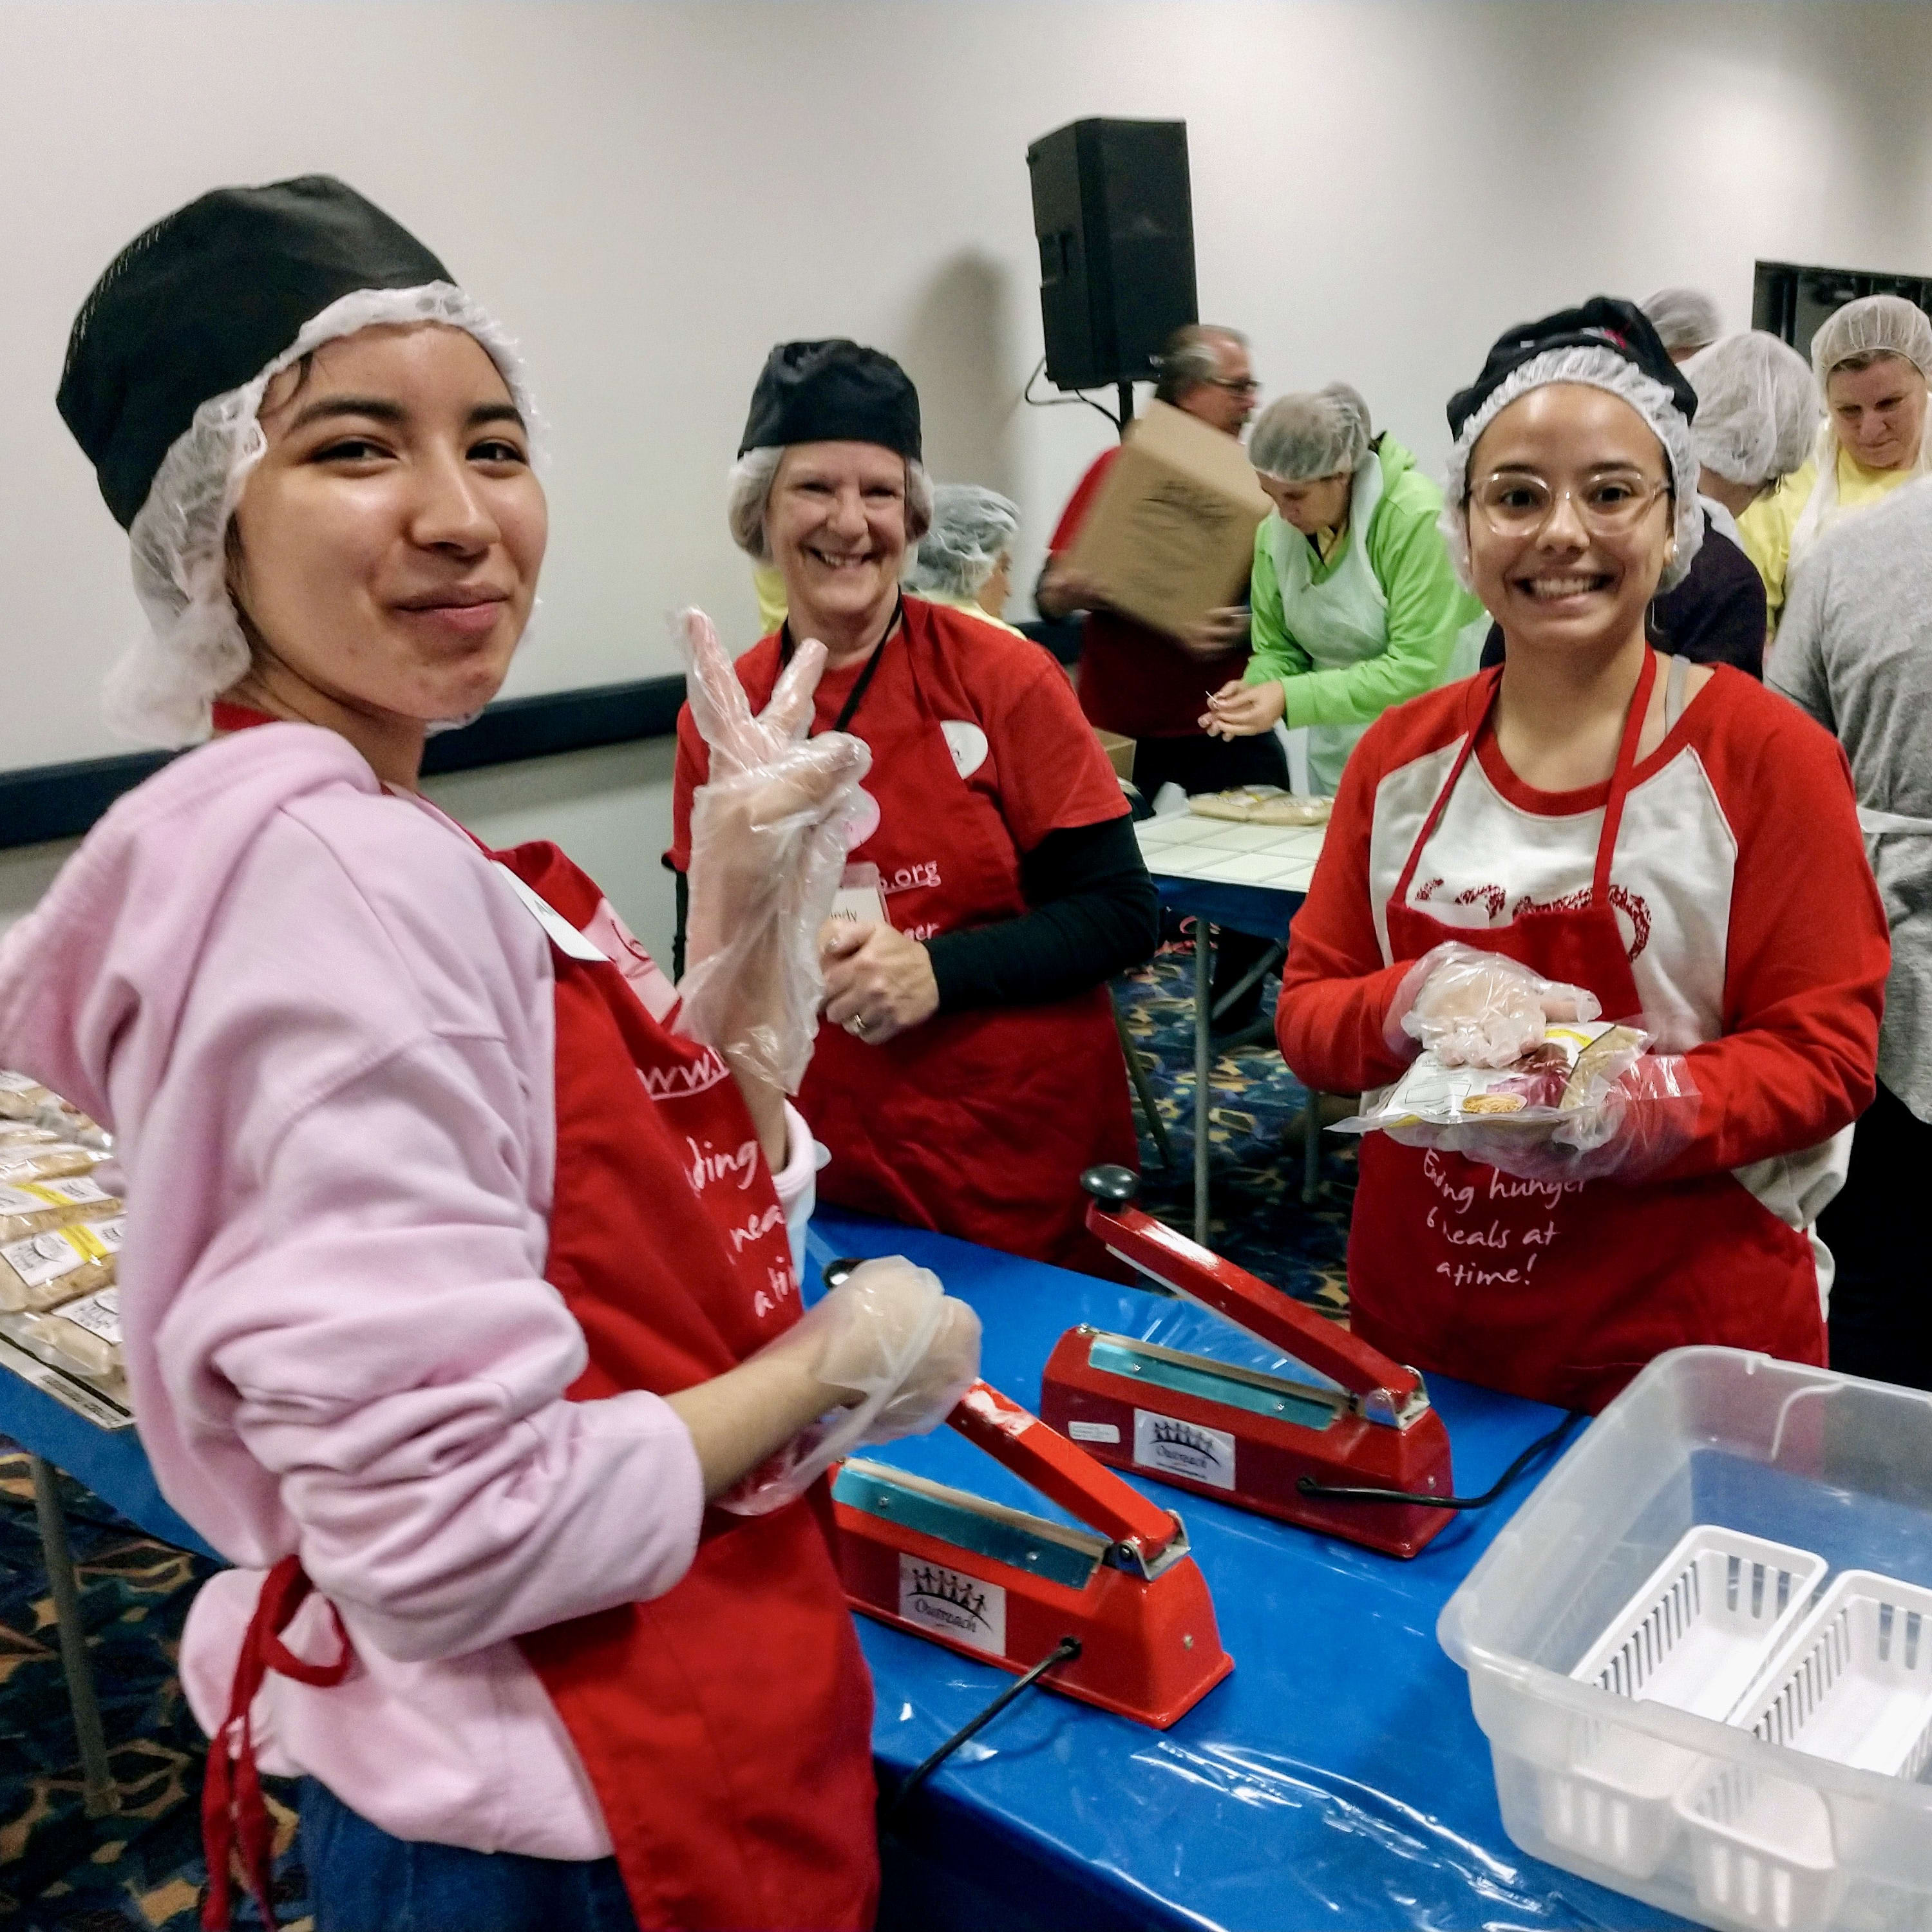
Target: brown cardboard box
1171, 536
1120, 752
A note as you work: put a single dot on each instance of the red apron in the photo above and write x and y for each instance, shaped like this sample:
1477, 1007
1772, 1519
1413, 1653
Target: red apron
978, 1123
726, 1726
1562, 1293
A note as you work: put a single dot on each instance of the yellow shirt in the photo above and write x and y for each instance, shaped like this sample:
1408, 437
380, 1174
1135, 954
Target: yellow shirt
768, 581
1766, 526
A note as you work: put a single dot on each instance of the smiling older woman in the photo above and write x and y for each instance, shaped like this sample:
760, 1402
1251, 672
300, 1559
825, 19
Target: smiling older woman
1577, 821
431, 1330
969, 1070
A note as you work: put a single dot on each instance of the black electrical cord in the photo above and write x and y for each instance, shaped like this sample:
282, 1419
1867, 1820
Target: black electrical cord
1308, 1486
1027, 397
1064, 1651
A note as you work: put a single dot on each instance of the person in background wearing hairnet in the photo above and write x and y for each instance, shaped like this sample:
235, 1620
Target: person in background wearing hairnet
1854, 650
1873, 360
1591, 827
1757, 412
1356, 606
461, 1277
1686, 320
965, 560
967, 1071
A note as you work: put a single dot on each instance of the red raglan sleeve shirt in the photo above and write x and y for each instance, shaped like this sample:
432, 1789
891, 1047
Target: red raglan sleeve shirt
1757, 940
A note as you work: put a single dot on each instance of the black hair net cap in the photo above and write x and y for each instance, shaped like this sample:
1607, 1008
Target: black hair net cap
833, 391
202, 302
1604, 322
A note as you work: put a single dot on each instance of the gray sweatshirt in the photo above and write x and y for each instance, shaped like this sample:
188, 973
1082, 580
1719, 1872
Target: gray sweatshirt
1854, 650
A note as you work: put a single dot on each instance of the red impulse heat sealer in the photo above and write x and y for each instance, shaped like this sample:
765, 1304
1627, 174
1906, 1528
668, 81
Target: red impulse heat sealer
1002, 1585
1257, 1441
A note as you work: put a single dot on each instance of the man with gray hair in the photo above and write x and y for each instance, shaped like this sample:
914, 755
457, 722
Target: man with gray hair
1136, 680
1142, 683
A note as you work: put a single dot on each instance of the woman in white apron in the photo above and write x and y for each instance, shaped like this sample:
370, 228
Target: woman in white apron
1873, 359
1356, 607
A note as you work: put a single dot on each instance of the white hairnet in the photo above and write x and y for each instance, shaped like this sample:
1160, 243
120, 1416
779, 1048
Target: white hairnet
1873, 325
1597, 369
1757, 407
1319, 432
194, 648
972, 528
1683, 318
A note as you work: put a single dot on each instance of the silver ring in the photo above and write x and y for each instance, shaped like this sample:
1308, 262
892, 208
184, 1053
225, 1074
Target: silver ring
856, 1026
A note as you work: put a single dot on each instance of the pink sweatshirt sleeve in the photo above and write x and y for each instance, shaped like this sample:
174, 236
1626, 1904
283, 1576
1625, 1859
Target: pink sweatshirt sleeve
363, 1313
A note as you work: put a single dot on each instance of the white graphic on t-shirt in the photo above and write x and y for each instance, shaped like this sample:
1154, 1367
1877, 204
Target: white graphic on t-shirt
967, 744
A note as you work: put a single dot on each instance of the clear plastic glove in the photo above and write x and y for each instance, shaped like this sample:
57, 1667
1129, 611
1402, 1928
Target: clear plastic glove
891, 1338
769, 832
1475, 1009
1635, 1126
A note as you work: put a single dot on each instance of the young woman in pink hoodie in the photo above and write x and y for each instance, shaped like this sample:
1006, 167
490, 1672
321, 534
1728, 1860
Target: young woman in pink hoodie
459, 1286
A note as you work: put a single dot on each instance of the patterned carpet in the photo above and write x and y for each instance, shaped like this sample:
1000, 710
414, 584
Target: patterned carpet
140, 1870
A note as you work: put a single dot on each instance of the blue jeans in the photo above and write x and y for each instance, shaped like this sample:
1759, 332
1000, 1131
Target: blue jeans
360, 1879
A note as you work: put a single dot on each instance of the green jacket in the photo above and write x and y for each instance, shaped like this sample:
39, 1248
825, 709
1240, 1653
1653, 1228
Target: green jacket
1427, 608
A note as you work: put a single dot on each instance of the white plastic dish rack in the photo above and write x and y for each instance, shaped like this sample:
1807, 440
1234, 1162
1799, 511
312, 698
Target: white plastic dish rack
1695, 1635
1854, 1685
1806, 1805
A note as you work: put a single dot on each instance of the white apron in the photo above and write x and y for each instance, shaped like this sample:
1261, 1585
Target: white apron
1344, 620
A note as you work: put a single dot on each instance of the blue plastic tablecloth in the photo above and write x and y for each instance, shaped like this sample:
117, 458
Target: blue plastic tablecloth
1264, 911
1337, 1779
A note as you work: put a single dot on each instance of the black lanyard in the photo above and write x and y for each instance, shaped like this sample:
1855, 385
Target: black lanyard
863, 682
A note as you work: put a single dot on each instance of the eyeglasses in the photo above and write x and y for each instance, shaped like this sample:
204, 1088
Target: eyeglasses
1246, 386
1516, 505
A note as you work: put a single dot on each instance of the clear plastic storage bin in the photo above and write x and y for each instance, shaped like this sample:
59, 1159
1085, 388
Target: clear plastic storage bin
1602, 1578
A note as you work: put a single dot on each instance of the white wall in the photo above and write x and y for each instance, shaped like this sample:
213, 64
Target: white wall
651, 194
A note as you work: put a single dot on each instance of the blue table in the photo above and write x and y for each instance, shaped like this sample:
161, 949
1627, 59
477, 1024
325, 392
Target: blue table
1337, 1779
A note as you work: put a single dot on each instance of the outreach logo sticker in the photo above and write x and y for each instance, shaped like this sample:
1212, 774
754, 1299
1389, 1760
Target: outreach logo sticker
1183, 1449
951, 1605
967, 742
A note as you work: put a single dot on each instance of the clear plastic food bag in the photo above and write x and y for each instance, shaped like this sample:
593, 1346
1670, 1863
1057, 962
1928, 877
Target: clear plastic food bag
1586, 1102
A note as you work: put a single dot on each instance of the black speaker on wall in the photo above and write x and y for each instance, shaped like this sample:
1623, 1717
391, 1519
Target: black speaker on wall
1115, 216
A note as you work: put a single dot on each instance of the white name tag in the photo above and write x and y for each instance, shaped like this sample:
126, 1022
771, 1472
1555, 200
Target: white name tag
564, 936
859, 899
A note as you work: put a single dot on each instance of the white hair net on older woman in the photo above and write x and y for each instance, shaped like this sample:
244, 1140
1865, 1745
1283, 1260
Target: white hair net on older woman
1596, 368
973, 527
1757, 407
1873, 325
1319, 432
194, 648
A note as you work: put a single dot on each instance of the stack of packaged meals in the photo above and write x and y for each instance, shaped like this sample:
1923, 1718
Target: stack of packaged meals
60, 1232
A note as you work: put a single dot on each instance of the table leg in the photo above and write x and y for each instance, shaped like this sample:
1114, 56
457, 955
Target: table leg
101, 1796
1143, 1088
1204, 1061
1311, 1151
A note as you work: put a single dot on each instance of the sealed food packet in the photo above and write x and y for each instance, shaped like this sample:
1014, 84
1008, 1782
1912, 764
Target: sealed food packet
58, 1264
48, 1160
22, 1096
28, 1207
1568, 1074
1261, 805
84, 1334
